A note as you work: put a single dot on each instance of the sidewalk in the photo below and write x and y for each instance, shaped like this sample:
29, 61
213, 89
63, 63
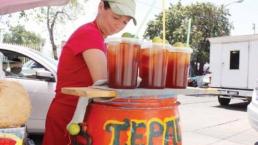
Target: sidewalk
204, 122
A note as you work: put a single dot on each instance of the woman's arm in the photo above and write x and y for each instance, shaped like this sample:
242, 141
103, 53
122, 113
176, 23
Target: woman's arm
97, 63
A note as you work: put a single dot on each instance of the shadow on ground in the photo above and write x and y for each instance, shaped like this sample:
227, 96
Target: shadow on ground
242, 106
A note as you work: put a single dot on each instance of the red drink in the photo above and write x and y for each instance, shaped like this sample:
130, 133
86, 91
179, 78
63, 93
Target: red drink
153, 66
122, 62
178, 68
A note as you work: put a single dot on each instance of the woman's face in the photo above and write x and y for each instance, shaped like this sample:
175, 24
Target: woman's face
111, 23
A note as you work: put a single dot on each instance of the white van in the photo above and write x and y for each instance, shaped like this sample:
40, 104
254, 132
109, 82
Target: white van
234, 66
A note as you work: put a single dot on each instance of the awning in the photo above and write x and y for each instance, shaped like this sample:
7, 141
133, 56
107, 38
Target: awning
10, 6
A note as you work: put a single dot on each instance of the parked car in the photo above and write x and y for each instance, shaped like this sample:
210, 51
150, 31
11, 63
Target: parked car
37, 75
199, 81
252, 110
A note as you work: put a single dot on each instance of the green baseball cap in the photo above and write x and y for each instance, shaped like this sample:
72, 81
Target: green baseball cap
123, 7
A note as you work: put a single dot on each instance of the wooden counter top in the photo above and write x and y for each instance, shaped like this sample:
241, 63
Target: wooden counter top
97, 91
88, 92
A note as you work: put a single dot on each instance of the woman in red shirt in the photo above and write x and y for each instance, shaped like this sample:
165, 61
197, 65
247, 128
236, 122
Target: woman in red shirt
83, 61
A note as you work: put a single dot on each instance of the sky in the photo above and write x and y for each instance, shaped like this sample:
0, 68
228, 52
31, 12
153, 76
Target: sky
243, 15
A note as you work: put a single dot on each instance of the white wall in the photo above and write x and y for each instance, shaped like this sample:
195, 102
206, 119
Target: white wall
215, 64
235, 78
253, 64
247, 74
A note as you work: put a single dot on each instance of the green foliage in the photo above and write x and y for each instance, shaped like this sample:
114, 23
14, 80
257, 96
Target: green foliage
128, 35
49, 19
54, 16
19, 35
208, 21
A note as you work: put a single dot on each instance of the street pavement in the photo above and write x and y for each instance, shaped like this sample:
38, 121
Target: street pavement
205, 122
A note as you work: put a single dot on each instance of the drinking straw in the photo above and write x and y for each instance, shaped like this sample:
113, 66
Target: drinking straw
188, 31
145, 17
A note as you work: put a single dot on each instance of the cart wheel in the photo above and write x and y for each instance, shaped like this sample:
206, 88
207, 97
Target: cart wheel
223, 101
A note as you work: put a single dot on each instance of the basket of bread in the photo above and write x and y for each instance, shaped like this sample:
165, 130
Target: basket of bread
15, 109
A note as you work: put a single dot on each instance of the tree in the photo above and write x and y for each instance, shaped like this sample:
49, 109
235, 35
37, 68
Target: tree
52, 19
5, 22
208, 21
5, 19
19, 35
53, 16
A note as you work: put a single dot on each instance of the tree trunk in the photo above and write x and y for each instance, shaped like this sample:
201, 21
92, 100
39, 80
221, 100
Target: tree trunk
54, 47
50, 27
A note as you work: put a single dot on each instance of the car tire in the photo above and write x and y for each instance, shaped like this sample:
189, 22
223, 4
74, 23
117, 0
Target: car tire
249, 100
223, 101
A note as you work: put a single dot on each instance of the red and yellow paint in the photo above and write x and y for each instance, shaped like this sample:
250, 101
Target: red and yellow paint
143, 132
145, 121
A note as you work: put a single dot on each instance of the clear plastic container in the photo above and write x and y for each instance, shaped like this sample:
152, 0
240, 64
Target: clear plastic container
178, 67
122, 60
153, 65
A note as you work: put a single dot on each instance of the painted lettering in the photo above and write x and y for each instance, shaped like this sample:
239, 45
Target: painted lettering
170, 133
136, 135
116, 127
155, 130
144, 132
178, 130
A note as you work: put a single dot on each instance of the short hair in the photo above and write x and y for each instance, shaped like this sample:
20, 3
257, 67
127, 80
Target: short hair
15, 60
106, 4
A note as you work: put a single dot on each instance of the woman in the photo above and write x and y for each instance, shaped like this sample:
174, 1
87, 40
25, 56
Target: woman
83, 61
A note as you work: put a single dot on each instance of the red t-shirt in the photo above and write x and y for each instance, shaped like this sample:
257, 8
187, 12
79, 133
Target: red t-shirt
72, 72
72, 69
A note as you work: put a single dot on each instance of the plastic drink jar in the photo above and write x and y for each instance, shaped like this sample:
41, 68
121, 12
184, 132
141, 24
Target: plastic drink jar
153, 65
178, 67
122, 62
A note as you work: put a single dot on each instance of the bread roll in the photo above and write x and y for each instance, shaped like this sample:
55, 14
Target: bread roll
15, 105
